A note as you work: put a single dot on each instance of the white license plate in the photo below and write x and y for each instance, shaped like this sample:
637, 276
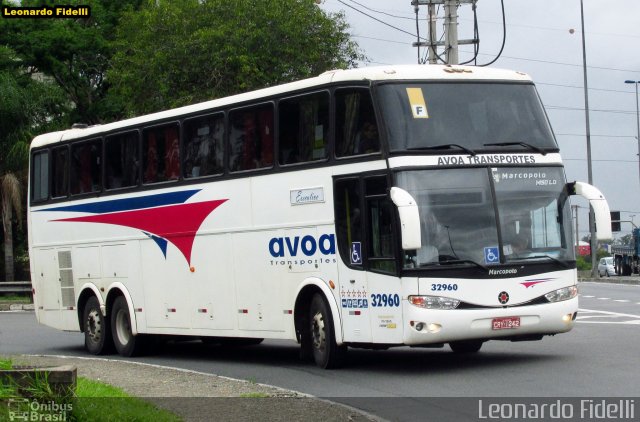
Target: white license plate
505, 323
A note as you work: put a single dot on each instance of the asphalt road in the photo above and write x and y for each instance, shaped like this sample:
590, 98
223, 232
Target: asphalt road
599, 358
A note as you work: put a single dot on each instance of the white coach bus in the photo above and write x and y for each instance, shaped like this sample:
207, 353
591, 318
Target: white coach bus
375, 207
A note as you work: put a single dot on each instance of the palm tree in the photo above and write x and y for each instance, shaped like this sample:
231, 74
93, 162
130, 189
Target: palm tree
11, 192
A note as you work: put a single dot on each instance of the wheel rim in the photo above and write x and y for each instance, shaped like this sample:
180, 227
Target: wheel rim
123, 327
318, 335
94, 326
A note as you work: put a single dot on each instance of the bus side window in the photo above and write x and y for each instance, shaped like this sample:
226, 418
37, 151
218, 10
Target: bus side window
86, 167
304, 124
203, 146
60, 163
380, 211
161, 153
356, 126
40, 176
349, 222
121, 157
251, 138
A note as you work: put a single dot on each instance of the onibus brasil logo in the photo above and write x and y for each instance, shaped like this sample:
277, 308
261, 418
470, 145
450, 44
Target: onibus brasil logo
165, 218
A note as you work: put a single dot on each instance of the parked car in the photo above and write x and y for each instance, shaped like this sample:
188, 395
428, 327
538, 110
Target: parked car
605, 267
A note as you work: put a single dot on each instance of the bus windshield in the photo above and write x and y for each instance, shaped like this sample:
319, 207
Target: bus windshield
528, 220
468, 116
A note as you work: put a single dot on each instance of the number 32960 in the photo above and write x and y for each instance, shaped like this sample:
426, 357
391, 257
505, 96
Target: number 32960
444, 287
381, 300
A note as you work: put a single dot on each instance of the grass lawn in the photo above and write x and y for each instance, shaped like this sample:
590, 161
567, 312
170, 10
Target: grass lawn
92, 401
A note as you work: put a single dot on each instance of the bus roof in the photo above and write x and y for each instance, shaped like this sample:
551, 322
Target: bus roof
373, 73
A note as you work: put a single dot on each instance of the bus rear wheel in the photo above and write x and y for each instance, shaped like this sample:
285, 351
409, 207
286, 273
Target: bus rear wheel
97, 334
125, 342
469, 346
326, 353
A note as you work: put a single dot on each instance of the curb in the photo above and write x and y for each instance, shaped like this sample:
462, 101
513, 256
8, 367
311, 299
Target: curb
611, 280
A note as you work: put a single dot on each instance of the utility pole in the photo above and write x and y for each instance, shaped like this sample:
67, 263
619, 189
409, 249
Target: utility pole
577, 248
451, 41
592, 219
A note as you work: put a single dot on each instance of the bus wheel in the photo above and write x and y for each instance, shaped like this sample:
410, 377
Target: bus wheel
126, 343
470, 346
326, 353
97, 335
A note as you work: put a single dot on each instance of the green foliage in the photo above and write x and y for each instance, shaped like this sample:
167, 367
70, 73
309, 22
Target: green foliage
583, 263
75, 53
26, 105
171, 54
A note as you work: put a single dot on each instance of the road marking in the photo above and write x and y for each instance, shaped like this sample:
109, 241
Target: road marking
604, 298
586, 319
589, 296
608, 313
621, 300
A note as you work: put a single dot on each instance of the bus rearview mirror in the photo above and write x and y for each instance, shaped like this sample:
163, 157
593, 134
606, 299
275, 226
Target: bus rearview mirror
598, 204
409, 218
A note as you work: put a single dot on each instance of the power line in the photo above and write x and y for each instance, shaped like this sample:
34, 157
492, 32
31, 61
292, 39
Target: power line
376, 19
611, 161
590, 89
554, 107
604, 136
381, 12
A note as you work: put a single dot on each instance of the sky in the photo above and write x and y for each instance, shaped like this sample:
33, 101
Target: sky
543, 39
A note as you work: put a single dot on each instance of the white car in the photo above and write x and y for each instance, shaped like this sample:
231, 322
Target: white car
605, 267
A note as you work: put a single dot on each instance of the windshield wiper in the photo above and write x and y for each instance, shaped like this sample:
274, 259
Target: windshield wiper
556, 260
462, 261
445, 146
524, 144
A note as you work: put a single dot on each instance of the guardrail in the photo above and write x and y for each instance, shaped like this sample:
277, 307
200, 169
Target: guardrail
15, 287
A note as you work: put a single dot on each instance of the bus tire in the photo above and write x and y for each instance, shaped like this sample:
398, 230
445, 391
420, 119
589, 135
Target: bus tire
97, 334
326, 353
125, 342
469, 346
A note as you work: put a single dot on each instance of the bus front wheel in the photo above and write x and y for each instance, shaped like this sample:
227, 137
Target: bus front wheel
125, 342
326, 353
97, 335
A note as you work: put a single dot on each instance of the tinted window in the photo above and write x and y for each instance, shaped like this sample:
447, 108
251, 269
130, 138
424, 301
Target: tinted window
122, 160
304, 124
251, 138
40, 176
356, 125
86, 167
474, 115
161, 153
60, 162
204, 146
349, 221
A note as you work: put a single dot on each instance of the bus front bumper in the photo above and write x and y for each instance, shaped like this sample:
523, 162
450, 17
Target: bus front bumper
426, 326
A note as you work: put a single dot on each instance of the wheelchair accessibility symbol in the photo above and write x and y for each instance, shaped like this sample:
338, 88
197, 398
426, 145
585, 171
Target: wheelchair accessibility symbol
491, 255
356, 253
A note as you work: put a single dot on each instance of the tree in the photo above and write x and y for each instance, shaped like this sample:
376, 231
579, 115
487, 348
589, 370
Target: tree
27, 106
75, 53
171, 54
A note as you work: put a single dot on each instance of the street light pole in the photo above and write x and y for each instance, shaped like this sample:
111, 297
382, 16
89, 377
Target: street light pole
637, 120
592, 224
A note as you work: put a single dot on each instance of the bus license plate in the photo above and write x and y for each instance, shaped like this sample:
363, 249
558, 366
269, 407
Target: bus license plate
505, 323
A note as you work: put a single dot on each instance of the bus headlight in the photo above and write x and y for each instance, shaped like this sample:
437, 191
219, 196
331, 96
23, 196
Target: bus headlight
434, 302
565, 293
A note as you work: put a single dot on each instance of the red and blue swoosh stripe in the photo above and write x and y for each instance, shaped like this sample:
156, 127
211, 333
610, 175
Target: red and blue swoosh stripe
164, 217
533, 282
